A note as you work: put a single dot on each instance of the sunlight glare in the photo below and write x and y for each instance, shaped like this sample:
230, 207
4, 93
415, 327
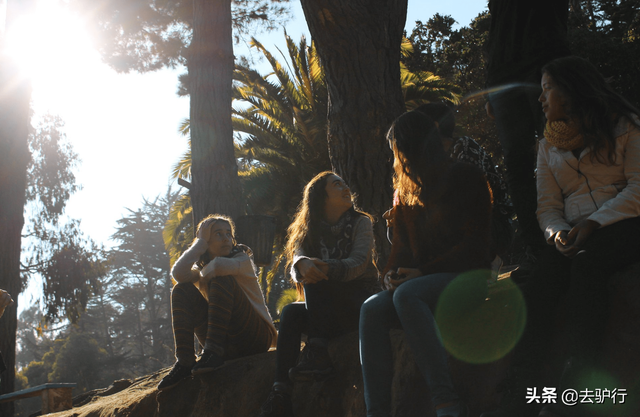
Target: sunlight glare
52, 48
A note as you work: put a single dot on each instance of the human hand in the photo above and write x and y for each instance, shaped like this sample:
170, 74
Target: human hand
204, 232
309, 272
393, 279
321, 265
579, 234
5, 301
209, 270
562, 242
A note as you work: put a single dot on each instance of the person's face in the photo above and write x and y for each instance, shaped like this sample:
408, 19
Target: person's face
338, 193
220, 239
554, 102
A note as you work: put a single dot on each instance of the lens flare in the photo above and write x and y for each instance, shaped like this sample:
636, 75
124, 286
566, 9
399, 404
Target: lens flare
477, 327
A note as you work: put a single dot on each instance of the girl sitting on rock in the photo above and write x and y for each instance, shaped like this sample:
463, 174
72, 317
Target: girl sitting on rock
441, 229
329, 251
218, 298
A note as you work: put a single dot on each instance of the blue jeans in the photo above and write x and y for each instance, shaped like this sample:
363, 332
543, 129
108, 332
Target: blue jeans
410, 308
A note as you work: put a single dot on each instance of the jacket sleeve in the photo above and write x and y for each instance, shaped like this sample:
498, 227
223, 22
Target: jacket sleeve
470, 213
183, 270
550, 209
626, 204
401, 254
297, 256
359, 259
221, 266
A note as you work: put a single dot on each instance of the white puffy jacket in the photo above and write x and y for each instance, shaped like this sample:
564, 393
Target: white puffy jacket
571, 189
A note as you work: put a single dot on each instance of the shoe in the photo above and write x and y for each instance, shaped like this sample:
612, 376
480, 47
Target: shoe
514, 388
527, 266
208, 362
278, 404
315, 364
175, 376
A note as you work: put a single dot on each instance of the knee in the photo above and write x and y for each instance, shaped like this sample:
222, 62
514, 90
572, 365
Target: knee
586, 271
377, 308
292, 312
224, 281
182, 289
403, 295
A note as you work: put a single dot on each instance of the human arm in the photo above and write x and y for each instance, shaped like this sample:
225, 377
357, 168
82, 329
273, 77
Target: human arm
183, 270
304, 269
626, 204
5, 301
570, 243
394, 278
221, 266
359, 259
550, 209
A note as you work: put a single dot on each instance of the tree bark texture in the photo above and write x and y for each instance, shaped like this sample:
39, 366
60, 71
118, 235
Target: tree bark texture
15, 95
215, 183
359, 44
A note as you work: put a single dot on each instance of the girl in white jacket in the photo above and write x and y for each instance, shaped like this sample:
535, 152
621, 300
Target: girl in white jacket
218, 298
588, 180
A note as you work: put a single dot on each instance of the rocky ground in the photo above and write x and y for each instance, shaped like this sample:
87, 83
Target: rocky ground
240, 386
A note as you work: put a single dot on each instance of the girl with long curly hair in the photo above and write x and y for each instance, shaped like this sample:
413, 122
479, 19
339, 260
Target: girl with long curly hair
330, 255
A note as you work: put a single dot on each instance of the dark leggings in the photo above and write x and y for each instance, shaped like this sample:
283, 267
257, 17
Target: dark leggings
330, 309
584, 280
228, 322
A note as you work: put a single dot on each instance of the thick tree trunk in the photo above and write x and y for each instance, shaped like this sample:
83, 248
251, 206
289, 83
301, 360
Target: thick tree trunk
15, 94
215, 183
359, 44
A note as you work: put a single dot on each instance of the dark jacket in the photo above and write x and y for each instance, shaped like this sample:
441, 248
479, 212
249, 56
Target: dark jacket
451, 232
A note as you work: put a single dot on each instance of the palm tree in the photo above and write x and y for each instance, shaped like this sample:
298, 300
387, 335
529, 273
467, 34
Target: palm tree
280, 124
280, 138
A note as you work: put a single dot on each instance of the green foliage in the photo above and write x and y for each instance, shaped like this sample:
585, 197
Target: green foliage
146, 35
69, 276
606, 32
50, 177
125, 330
178, 229
281, 129
140, 286
457, 57
80, 359
287, 296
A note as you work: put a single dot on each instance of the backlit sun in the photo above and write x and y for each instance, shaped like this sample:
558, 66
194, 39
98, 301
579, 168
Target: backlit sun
51, 47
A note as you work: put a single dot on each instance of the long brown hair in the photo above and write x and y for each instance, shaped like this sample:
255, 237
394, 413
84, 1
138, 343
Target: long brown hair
592, 103
206, 257
419, 157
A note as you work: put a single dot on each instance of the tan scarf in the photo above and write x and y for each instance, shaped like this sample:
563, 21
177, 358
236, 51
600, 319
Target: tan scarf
563, 135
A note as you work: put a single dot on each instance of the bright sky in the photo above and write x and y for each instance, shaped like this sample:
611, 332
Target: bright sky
125, 126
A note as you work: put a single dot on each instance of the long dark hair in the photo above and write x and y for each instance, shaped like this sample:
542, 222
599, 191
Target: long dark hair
419, 157
592, 103
305, 229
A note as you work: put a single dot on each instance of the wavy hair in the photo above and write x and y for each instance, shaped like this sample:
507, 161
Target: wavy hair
419, 157
592, 103
305, 229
